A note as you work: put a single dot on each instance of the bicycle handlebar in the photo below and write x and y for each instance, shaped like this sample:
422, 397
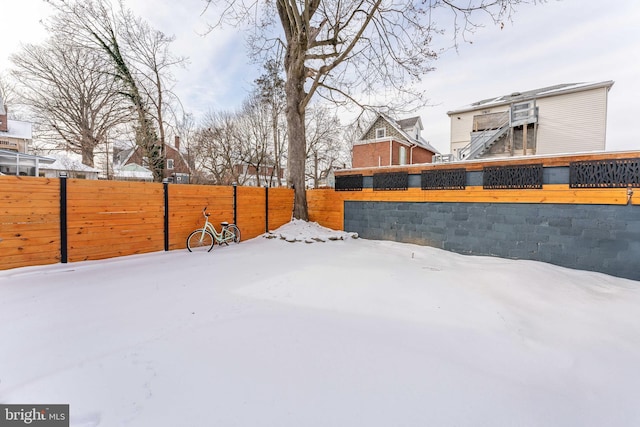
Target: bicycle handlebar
204, 212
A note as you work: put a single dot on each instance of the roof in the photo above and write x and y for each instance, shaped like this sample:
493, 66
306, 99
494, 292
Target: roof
64, 163
410, 122
400, 126
133, 170
543, 92
18, 130
134, 167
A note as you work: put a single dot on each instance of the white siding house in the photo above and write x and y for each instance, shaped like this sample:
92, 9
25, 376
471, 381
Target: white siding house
566, 118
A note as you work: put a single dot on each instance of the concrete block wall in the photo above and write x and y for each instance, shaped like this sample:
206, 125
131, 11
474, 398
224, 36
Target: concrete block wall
602, 238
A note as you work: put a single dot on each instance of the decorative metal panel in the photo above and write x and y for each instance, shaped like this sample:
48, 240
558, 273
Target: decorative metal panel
390, 181
512, 177
618, 173
444, 179
349, 183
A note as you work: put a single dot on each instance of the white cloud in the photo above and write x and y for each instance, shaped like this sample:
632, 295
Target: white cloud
555, 42
558, 42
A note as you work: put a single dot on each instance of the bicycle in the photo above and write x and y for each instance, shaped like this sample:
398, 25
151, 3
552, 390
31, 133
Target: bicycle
204, 238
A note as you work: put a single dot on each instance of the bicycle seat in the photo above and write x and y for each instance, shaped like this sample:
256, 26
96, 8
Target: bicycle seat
224, 223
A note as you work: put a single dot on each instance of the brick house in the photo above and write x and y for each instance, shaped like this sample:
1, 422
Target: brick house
389, 142
130, 164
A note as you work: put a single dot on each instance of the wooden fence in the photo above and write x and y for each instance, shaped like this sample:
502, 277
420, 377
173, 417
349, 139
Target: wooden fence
45, 221
575, 211
29, 221
327, 206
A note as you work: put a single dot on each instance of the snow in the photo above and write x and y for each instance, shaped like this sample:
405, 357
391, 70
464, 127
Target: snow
308, 232
66, 163
341, 332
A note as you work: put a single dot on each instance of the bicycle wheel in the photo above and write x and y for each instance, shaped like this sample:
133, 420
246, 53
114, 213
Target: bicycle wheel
199, 241
236, 233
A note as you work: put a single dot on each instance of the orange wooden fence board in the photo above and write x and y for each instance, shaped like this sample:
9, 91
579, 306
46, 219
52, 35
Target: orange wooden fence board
29, 221
327, 207
108, 219
113, 218
185, 209
280, 207
251, 211
478, 165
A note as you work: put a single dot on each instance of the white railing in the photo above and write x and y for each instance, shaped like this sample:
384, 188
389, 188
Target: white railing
483, 140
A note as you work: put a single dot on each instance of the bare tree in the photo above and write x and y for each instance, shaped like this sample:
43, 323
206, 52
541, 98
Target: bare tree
270, 87
186, 131
73, 96
254, 127
94, 24
325, 145
148, 53
346, 50
7, 90
217, 150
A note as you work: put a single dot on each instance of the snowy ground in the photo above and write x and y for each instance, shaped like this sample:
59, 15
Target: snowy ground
344, 332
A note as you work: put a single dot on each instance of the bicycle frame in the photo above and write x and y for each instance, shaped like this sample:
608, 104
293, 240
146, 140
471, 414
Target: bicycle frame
220, 237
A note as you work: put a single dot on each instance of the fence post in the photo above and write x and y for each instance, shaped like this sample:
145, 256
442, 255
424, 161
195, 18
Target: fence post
64, 255
266, 208
165, 184
235, 203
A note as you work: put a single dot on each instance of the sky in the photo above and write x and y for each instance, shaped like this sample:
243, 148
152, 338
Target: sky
568, 41
350, 332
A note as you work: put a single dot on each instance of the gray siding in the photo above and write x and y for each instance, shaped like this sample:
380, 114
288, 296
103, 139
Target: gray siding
603, 238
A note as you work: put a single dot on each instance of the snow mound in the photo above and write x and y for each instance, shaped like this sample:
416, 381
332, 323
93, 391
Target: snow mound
309, 232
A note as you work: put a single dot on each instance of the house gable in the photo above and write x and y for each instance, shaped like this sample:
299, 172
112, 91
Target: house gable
389, 142
391, 131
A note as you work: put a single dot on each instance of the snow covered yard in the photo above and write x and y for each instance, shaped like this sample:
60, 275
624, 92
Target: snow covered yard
337, 333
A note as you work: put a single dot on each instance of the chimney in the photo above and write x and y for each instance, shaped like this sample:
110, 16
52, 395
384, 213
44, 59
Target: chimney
4, 126
177, 143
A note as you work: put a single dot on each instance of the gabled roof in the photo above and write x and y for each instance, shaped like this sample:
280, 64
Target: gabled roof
543, 92
64, 163
400, 126
410, 123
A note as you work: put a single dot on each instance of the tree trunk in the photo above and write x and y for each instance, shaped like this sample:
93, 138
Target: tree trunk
87, 155
294, 89
276, 148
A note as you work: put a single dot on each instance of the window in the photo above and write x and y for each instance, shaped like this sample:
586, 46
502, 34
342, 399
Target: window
381, 132
403, 155
170, 164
